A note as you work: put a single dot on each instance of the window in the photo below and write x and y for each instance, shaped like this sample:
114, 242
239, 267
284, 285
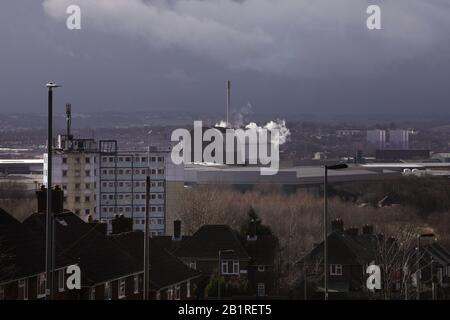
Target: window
261, 268
23, 289
92, 293
77, 160
336, 269
2, 293
87, 173
88, 186
77, 199
64, 160
136, 283
122, 288
87, 199
261, 289
64, 173
88, 160
107, 291
177, 292
61, 280
230, 267
236, 267
77, 186
87, 211
41, 285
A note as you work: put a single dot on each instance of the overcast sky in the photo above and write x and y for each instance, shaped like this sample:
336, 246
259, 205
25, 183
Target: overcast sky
282, 56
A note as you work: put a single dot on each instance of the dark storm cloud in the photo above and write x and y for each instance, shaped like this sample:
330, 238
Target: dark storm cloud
284, 55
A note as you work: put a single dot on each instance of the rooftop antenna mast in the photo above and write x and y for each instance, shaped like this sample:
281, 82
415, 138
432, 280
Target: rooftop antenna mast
228, 102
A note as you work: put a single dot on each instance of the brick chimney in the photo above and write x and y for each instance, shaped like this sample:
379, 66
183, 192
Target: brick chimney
367, 229
352, 231
176, 230
252, 236
57, 200
121, 224
337, 225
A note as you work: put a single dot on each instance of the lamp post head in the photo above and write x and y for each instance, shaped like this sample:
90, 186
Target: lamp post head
51, 85
337, 166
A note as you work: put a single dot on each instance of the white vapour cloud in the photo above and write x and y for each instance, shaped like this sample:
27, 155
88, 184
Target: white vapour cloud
281, 36
279, 125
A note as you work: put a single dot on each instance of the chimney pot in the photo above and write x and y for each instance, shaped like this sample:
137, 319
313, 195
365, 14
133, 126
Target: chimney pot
367, 229
337, 225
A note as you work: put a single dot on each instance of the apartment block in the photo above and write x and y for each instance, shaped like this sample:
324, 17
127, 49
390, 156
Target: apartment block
122, 185
75, 164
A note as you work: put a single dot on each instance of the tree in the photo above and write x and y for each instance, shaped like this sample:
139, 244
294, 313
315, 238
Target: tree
397, 256
229, 287
254, 222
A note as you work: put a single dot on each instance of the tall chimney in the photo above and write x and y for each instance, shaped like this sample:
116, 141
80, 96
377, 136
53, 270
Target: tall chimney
68, 119
228, 101
177, 230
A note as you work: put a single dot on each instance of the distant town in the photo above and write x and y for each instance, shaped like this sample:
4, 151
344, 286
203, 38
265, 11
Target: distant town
225, 231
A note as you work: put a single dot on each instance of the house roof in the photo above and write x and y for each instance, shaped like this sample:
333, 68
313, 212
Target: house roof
208, 240
438, 253
24, 249
165, 268
262, 251
345, 248
100, 259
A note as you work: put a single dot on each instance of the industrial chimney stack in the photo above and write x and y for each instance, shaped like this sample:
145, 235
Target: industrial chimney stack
68, 119
228, 102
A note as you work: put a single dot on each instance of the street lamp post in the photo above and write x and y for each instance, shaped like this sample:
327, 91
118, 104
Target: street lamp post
222, 251
50, 237
325, 223
419, 271
146, 291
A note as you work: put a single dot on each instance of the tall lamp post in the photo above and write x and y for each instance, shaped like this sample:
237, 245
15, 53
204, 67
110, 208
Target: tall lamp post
50, 237
221, 252
419, 271
146, 291
325, 223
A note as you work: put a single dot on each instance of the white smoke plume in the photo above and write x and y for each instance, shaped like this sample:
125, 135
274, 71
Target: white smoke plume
279, 125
